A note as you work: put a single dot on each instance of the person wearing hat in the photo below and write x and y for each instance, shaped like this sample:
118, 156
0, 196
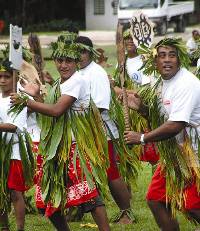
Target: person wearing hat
13, 179
74, 98
172, 107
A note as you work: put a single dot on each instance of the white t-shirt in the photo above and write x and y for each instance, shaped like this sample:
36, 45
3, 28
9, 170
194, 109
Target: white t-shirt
77, 87
191, 45
100, 93
99, 84
181, 101
20, 121
198, 63
33, 128
132, 67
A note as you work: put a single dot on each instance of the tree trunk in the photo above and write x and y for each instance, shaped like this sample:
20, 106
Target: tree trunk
197, 10
24, 13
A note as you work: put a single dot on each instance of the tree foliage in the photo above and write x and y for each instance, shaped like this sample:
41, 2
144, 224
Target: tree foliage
26, 12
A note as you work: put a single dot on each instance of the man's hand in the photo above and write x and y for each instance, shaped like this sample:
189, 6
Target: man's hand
47, 77
134, 101
15, 98
132, 137
32, 89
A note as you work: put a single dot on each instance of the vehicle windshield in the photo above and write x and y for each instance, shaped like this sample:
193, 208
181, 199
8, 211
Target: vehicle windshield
139, 4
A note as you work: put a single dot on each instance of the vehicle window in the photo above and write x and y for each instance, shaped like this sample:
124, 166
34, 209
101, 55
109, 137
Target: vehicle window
162, 2
124, 4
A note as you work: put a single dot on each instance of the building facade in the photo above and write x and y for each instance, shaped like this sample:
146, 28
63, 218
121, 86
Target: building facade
101, 14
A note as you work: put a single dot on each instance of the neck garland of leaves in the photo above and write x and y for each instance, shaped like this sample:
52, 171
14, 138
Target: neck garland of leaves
56, 140
173, 158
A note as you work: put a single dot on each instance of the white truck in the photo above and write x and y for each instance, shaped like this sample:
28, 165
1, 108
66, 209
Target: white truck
163, 13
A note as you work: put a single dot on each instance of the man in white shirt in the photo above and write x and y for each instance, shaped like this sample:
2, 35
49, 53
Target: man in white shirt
180, 104
101, 95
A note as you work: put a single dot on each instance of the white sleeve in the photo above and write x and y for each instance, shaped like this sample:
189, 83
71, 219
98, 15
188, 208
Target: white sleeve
72, 87
198, 63
20, 121
183, 103
100, 89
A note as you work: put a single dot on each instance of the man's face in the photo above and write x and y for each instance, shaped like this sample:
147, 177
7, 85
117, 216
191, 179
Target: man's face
167, 62
85, 59
129, 45
196, 35
66, 67
6, 81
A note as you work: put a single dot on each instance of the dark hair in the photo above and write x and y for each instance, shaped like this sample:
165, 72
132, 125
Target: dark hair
195, 32
72, 29
84, 40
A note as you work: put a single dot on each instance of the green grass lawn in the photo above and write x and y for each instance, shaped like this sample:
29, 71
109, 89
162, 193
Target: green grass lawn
145, 221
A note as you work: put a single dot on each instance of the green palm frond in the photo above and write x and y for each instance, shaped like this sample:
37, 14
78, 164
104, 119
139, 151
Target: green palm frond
5, 155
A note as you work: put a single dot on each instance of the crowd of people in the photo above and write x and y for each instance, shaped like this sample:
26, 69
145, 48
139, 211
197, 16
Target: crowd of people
86, 148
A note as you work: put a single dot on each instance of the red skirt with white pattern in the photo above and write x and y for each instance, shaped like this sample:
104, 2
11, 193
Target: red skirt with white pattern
78, 190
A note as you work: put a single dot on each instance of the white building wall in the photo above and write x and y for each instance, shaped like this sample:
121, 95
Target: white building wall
108, 21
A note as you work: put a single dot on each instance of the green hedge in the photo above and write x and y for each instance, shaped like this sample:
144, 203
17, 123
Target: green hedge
53, 25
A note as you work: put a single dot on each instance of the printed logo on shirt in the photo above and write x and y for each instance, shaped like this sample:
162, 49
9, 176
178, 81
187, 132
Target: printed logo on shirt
135, 76
166, 102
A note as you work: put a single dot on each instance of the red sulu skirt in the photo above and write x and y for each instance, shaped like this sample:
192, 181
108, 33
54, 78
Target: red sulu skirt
157, 191
78, 191
16, 179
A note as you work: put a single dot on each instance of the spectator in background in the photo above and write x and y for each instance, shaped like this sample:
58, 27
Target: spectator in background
192, 45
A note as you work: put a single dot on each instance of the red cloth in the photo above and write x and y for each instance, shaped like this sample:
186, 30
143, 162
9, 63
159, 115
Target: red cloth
78, 190
157, 187
16, 179
39, 161
192, 197
112, 171
157, 191
149, 153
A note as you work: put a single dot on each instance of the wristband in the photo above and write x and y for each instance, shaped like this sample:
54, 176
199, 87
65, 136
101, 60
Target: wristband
142, 140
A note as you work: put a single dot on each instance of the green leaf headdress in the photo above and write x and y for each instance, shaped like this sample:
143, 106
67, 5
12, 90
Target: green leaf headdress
150, 53
127, 34
5, 64
85, 43
66, 47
